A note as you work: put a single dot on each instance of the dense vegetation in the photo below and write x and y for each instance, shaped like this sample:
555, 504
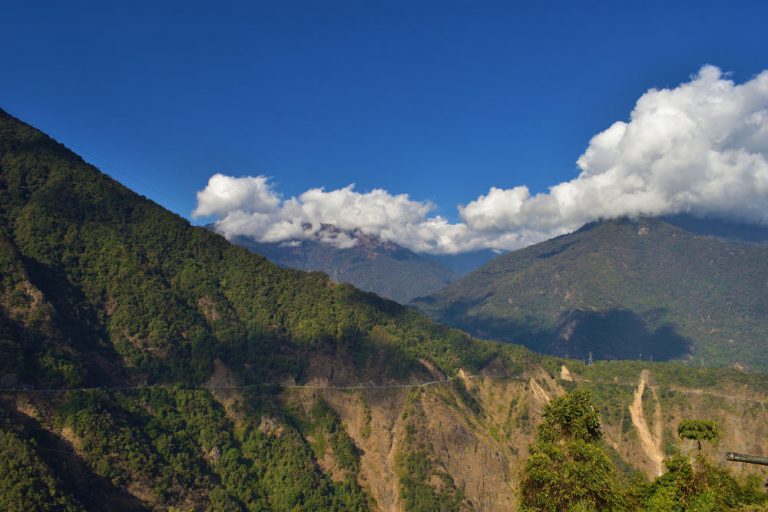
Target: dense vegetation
26, 482
569, 469
177, 448
101, 287
95, 274
621, 289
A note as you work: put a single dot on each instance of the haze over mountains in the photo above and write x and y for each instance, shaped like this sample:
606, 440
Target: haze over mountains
147, 364
367, 262
673, 288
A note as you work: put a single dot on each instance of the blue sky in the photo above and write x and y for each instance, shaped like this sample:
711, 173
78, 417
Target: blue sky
440, 100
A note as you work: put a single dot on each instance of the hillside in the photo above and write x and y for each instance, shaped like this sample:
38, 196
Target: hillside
373, 265
464, 262
146, 364
623, 289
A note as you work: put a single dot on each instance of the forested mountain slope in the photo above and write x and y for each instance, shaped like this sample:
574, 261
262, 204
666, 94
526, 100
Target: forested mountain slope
146, 364
103, 288
622, 289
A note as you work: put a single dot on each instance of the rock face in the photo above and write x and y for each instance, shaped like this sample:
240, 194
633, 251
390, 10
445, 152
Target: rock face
623, 289
480, 439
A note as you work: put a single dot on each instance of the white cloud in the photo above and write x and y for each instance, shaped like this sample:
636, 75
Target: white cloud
699, 148
250, 207
225, 194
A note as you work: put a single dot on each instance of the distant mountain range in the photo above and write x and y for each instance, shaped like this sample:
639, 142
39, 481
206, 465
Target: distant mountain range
385, 268
672, 288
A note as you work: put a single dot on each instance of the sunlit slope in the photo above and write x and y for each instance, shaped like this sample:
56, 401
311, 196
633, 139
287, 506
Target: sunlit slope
106, 281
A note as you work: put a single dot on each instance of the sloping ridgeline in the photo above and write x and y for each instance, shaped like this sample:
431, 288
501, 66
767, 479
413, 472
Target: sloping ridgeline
102, 287
623, 289
149, 365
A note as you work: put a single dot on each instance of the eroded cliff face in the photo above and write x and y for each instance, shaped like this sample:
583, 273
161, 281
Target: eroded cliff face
461, 441
474, 431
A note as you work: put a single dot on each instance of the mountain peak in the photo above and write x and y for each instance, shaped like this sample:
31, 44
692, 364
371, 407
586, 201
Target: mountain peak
622, 289
363, 260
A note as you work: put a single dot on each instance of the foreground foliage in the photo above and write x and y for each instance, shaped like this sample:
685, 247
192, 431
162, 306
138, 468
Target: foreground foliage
568, 466
568, 469
699, 430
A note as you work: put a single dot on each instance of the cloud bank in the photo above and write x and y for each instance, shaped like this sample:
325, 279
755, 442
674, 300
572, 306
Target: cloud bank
699, 148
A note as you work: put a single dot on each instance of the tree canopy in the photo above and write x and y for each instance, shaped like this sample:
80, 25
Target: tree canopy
569, 469
568, 466
699, 430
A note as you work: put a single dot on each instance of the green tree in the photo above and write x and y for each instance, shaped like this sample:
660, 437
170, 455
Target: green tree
569, 418
568, 468
700, 485
699, 430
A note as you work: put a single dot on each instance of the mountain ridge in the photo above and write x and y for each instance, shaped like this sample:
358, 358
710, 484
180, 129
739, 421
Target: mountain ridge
676, 292
368, 262
371, 264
